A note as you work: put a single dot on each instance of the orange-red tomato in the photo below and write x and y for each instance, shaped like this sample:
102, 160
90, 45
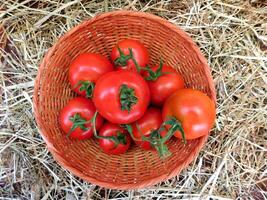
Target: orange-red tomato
193, 109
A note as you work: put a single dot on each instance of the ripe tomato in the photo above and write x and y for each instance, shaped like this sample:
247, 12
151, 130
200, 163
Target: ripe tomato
122, 57
85, 70
147, 126
75, 118
121, 96
194, 110
162, 83
121, 135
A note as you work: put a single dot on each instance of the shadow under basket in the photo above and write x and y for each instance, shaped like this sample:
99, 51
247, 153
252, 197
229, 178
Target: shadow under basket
136, 168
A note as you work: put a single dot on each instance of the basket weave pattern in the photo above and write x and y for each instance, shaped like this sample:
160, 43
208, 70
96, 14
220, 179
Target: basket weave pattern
136, 168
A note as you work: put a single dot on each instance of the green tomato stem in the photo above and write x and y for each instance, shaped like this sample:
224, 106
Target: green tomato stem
162, 150
122, 59
138, 67
153, 76
113, 138
175, 125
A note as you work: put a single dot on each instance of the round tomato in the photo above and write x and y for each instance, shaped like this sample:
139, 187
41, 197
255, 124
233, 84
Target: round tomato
75, 118
120, 135
126, 50
85, 70
148, 126
192, 110
121, 96
163, 80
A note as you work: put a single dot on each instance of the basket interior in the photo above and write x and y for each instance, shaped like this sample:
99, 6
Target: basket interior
100, 35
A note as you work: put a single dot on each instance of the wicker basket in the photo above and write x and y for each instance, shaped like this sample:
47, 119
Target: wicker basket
137, 168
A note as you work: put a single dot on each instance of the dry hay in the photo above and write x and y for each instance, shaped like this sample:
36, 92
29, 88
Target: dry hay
233, 36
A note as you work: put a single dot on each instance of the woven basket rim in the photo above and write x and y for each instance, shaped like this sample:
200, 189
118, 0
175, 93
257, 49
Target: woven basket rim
56, 154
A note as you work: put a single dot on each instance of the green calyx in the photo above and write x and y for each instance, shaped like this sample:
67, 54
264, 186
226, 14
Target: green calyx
152, 76
123, 59
155, 138
77, 122
88, 87
119, 139
127, 97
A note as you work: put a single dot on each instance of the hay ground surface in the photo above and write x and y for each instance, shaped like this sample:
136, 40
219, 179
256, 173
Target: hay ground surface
232, 35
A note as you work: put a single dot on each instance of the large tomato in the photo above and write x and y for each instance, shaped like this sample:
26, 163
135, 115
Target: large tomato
163, 80
75, 118
148, 126
121, 96
120, 135
85, 70
127, 50
191, 109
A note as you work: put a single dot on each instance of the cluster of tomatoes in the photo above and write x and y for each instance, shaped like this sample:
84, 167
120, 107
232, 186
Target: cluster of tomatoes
126, 100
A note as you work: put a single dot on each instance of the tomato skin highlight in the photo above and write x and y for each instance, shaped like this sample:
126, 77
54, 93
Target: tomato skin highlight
140, 54
194, 109
86, 109
151, 121
87, 67
106, 96
107, 145
164, 85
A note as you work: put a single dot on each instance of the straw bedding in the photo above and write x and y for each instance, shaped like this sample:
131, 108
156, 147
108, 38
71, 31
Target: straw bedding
231, 34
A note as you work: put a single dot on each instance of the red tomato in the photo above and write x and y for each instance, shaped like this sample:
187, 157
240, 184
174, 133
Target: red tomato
121, 97
75, 116
124, 61
193, 109
85, 70
146, 126
162, 83
122, 136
